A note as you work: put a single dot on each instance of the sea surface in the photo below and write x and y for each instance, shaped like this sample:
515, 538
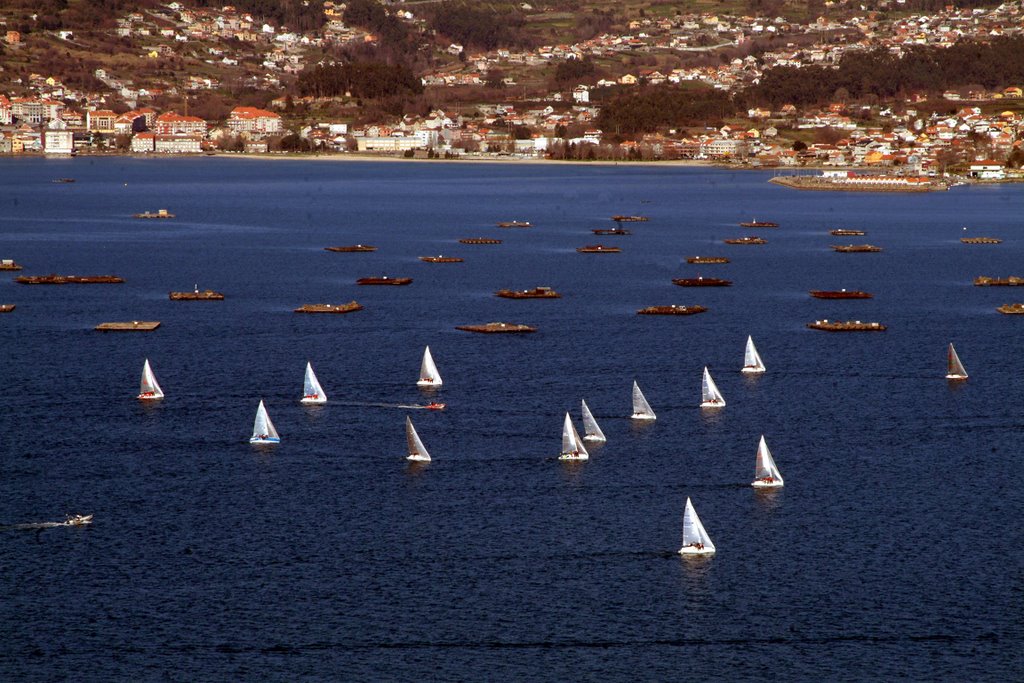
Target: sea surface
895, 549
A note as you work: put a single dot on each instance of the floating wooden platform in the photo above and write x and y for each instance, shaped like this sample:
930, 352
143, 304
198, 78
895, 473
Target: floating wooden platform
840, 294
846, 326
671, 310
441, 259
196, 295
855, 248
132, 326
981, 240
985, 281
599, 249
6, 308
535, 293
1008, 309
8, 264
479, 240
68, 279
847, 233
351, 248
497, 328
384, 280
707, 259
746, 240
630, 219
162, 213
611, 231
701, 282
514, 224
759, 224
350, 307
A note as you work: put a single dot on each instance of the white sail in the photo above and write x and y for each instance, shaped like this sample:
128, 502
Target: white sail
695, 539
751, 358
312, 392
955, 369
641, 408
417, 451
263, 430
766, 472
591, 432
429, 376
711, 397
149, 388
572, 445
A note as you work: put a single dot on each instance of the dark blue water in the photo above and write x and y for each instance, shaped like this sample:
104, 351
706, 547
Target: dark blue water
894, 550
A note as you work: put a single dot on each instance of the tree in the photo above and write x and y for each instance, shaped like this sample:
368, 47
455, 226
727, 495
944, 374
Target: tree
799, 145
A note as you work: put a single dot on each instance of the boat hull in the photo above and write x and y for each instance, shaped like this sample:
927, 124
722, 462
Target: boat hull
956, 377
149, 397
313, 401
417, 458
752, 370
268, 441
767, 484
646, 418
690, 551
712, 404
595, 439
573, 457
429, 383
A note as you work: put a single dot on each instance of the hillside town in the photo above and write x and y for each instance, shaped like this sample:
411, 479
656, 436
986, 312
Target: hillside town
976, 131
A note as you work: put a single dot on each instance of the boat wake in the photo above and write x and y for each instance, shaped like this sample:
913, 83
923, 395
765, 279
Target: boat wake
403, 406
32, 526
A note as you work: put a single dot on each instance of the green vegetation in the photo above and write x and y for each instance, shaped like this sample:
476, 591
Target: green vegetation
481, 26
650, 108
372, 16
372, 80
879, 74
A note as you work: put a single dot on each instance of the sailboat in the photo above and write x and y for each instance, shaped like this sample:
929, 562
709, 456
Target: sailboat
695, 539
417, 451
641, 408
263, 430
751, 358
710, 396
766, 472
591, 432
572, 446
312, 392
955, 369
429, 376
149, 388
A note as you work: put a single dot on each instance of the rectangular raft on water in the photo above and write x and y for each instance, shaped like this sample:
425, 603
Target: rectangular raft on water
130, 326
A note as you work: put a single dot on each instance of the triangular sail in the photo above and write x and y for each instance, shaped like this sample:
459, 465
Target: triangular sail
693, 530
766, 467
641, 408
571, 442
417, 451
591, 432
429, 376
580, 448
149, 387
312, 392
751, 358
263, 428
710, 395
955, 369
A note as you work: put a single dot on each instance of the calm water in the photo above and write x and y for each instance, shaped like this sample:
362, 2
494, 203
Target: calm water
895, 548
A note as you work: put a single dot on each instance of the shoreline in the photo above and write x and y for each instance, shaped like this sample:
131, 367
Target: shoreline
783, 174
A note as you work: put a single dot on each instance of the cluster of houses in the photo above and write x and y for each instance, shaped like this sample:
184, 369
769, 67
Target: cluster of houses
50, 127
43, 115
